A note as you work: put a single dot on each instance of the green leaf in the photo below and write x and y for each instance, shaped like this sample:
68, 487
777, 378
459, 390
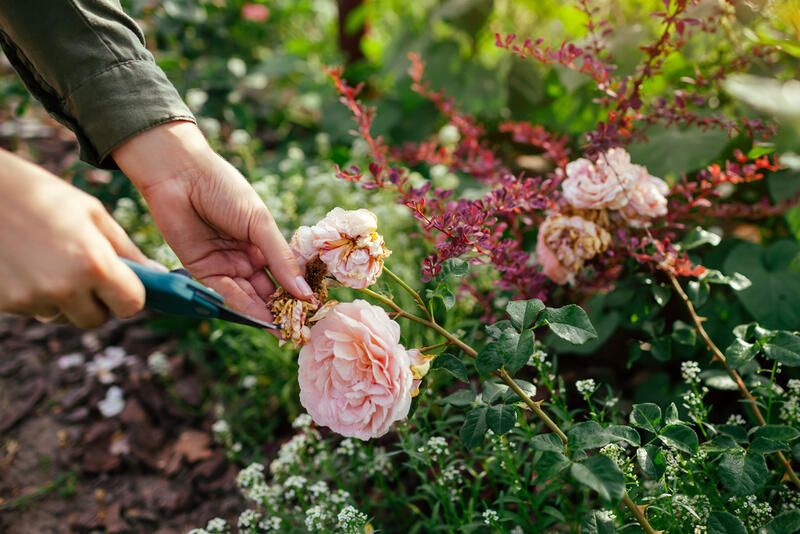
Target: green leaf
601, 474
550, 464
587, 435
646, 416
526, 387
474, 427
672, 416
684, 334
772, 299
737, 432
661, 294
784, 523
516, 351
699, 237
721, 443
501, 418
724, 523
698, 292
493, 391
546, 442
624, 433
783, 433
452, 267
674, 151
762, 445
680, 437
524, 313
661, 348
784, 347
596, 522
452, 365
736, 281
489, 359
743, 474
651, 461
739, 352
496, 330
569, 323
462, 397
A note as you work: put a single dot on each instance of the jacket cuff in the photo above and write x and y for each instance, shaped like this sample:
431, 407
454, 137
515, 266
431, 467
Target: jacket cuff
120, 102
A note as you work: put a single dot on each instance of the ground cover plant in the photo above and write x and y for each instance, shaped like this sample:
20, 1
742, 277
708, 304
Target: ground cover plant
555, 254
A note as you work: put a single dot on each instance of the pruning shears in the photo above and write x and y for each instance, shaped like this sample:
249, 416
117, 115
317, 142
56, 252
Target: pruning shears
176, 293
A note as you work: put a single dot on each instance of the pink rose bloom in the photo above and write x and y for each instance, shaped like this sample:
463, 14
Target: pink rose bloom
348, 243
255, 12
646, 200
355, 377
588, 187
565, 243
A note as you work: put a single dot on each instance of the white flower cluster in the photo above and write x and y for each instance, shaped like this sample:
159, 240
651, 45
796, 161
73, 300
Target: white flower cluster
302, 421
618, 453
351, 521
586, 387
436, 447
690, 372
790, 410
452, 479
692, 510
346, 448
490, 517
754, 514
736, 419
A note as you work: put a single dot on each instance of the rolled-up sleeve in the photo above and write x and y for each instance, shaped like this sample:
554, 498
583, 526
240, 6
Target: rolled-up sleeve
85, 60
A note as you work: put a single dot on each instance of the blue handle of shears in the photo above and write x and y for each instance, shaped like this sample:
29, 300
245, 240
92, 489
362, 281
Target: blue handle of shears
174, 294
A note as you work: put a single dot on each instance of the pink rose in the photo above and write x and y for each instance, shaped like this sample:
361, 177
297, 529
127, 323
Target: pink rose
355, 377
588, 187
646, 200
565, 243
348, 243
255, 12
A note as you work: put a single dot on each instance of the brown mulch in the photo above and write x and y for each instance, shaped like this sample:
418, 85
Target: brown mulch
65, 467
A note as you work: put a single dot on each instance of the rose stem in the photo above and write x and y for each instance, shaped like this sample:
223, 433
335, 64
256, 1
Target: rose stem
535, 406
410, 291
717, 355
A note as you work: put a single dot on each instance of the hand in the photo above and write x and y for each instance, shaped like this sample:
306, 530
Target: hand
59, 250
211, 217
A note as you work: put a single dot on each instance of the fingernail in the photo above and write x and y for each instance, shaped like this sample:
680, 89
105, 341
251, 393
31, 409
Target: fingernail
157, 266
303, 287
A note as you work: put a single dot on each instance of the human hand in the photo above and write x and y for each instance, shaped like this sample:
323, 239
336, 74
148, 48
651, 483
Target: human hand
211, 217
60, 250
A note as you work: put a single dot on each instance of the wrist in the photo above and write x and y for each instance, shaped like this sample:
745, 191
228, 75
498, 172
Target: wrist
168, 152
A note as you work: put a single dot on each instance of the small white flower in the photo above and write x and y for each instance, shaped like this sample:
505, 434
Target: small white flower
195, 98
351, 520
271, 524
586, 387
346, 448
437, 447
217, 526
68, 361
158, 363
249, 382
302, 421
449, 135
239, 138
736, 419
237, 67
490, 517
104, 364
113, 403
220, 426
690, 372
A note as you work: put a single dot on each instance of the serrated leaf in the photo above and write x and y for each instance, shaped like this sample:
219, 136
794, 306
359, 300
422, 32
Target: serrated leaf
474, 428
462, 397
784, 347
569, 323
743, 474
523, 313
783, 433
587, 435
647, 416
784, 523
624, 433
680, 437
601, 474
739, 352
762, 445
501, 418
452, 364
724, 523
546, 442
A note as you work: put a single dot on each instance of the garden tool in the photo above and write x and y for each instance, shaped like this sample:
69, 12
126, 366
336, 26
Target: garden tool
176, 293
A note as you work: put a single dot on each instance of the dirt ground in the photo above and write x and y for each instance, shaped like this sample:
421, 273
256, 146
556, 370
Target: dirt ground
76, 458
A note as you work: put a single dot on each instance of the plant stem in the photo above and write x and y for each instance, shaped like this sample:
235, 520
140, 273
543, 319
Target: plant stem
435, 346
410, 291
717, 355
639, 514
535, 406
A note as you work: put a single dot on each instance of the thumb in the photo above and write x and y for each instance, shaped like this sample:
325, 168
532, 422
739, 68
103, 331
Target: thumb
264, 234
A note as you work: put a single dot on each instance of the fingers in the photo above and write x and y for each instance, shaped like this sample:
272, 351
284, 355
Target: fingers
119, 240
240, 295
85, 311
262, 285
280, 259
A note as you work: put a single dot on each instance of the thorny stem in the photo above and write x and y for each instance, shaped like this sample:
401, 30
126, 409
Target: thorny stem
428, 348
410, 291
718, 356
535, 406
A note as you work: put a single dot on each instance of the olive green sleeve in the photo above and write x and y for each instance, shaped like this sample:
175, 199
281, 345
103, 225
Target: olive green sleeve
85, 60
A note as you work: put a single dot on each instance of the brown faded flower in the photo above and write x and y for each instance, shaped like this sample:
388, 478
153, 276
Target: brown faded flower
565, 243
296, 316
